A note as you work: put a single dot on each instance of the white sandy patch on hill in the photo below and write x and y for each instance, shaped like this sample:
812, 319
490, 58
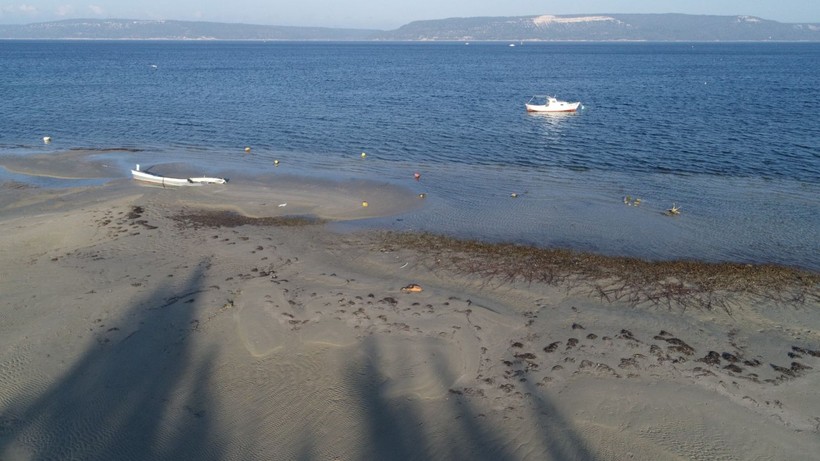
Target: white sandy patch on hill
548, 19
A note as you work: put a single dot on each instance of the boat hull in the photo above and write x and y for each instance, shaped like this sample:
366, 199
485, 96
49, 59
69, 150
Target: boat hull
173, 182
560, 107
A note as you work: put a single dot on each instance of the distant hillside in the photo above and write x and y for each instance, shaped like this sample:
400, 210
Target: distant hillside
649, 27
601, 27
173, 30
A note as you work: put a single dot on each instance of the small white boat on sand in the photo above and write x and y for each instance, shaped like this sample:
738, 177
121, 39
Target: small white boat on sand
167, 182
542, 103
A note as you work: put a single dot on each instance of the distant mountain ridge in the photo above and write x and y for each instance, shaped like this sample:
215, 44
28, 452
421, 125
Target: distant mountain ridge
135, 29
609, 27
598, 27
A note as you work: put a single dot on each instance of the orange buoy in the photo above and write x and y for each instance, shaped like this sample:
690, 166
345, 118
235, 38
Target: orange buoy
412, 288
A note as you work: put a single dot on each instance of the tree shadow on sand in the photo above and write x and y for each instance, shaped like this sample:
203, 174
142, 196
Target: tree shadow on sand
139, 392
398, 430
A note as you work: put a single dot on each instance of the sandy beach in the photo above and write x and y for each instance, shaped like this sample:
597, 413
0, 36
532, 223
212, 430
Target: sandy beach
233, 322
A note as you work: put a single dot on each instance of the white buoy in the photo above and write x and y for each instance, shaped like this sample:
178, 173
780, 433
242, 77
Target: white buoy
47, 139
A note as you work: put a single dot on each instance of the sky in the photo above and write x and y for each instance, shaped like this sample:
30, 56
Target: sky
383, 14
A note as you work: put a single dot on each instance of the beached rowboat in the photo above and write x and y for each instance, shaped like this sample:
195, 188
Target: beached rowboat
539, 103
166, 181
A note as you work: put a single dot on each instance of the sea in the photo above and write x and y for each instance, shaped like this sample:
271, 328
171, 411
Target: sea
728, 133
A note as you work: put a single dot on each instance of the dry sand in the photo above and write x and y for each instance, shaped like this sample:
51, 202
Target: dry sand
147, 323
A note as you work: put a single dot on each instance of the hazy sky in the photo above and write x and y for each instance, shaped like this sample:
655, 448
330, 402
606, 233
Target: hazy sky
383, 14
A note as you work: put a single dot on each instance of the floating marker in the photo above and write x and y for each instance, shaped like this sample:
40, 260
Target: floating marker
364, 204
422, 195
247, 149
417, 176
514, 195
276, 162
47, 139
364, 155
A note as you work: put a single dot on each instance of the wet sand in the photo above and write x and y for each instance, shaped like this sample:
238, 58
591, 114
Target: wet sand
212, 323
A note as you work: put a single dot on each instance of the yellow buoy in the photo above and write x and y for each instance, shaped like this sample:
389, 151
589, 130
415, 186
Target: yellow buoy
364, 204
364, 155
247, 149
276, 162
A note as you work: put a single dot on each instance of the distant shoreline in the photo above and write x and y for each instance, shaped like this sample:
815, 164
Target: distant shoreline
561, 28
408, 42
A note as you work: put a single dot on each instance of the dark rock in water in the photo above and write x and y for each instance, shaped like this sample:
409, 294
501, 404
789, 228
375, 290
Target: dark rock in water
576, 326
592, 336
572, 342
712, 358
664, 333
730, 357
752, 363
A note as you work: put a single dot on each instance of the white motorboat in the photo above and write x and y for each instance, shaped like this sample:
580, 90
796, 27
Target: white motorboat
165, 181
542, 103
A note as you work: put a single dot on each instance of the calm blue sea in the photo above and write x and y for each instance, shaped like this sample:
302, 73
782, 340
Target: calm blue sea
728, 132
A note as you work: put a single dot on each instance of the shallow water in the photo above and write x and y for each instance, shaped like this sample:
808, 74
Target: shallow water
728, 132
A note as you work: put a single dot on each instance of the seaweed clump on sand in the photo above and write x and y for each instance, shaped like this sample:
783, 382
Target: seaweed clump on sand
670, 283
223, 218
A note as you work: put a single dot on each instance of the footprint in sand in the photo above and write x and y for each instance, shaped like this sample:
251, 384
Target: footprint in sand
259, 317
